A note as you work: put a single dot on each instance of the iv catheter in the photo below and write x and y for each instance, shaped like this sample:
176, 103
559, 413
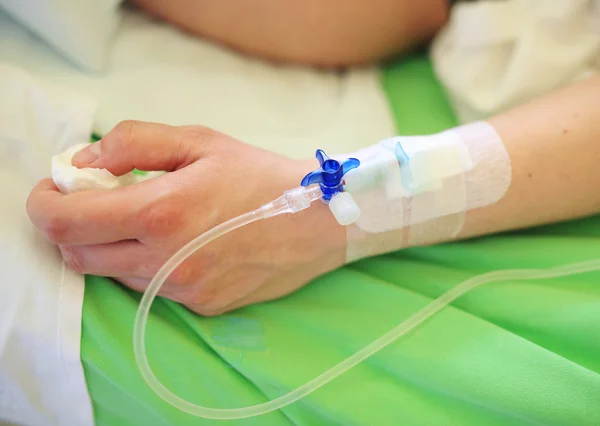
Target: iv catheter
325, 183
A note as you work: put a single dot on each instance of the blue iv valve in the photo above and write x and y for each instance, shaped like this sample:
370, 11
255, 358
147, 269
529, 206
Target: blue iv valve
330, 175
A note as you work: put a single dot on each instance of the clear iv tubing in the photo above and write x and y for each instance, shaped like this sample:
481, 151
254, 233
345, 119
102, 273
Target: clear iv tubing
404, 327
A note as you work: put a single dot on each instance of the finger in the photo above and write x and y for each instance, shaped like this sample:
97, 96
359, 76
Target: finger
95, 216
121, 259
144, 146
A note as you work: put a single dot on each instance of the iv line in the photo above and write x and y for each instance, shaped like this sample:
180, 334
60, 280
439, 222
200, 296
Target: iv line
293, 201
369, 350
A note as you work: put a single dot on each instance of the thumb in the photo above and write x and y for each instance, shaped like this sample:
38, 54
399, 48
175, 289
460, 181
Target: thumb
143, 146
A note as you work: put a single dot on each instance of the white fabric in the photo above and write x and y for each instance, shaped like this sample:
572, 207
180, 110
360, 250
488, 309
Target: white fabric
493, 55
82, 30
41, 376
69, 178
159, 74
153, 73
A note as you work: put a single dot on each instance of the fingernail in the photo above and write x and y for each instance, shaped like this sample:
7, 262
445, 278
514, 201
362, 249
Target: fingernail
88, 155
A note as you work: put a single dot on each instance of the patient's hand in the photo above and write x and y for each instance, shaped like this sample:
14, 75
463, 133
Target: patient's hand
128, 233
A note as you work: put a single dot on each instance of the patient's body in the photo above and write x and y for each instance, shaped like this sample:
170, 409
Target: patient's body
323, 33
128, 233
269, 259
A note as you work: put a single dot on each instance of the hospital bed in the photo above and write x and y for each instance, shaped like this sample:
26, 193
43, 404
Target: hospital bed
518, 352
509, 353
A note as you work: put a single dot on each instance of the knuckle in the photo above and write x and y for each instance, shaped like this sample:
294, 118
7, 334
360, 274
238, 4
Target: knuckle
195, 137
73, 258
198, 133
123, 132
56, 230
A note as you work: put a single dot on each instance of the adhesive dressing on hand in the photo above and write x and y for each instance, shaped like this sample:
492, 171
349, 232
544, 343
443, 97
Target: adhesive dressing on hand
374, 183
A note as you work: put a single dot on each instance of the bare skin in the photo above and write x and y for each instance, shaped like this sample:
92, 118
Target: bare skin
554, 148
129, 232
323, 33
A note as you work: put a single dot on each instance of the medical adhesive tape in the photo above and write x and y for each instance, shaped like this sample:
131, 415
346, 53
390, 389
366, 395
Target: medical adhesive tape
415, 190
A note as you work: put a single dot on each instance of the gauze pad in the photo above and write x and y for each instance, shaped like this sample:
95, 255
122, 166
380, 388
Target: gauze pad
415, 190
69, 178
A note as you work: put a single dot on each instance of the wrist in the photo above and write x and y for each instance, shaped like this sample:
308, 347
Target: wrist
323, 238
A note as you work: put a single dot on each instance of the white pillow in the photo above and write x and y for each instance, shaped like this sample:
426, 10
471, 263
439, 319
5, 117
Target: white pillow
81, 30
494, 55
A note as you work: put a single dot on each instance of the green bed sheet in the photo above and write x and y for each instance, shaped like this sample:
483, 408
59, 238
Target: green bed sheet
511, 353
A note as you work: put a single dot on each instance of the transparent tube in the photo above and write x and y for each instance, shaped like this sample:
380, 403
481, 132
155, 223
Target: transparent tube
369, 350
141, 319
291, 201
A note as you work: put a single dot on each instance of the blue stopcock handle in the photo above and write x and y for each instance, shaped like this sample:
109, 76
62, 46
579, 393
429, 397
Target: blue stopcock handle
330, 175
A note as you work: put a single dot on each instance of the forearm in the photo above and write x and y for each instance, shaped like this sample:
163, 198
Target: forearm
554, 148
331, 33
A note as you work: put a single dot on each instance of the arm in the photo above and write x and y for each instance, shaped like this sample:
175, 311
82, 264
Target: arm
129, 232
323, 33
554, 147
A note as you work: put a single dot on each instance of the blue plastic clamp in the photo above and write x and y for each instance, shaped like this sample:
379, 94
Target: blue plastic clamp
330, 175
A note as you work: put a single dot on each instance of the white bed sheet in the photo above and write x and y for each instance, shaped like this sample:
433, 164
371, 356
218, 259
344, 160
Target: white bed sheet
157, 73
41, 376
154, 73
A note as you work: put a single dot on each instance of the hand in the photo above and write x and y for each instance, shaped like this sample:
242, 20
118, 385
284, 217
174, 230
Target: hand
129, 232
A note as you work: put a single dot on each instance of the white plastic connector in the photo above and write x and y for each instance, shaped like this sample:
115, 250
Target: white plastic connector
292, 201
342, 205
344, 208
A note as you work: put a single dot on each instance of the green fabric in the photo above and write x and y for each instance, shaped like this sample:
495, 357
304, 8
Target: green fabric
507, 353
